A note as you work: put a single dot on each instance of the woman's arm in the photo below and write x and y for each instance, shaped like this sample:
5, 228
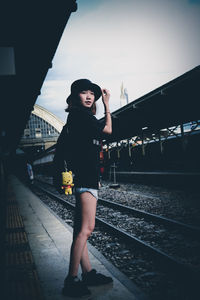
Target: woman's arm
108, 121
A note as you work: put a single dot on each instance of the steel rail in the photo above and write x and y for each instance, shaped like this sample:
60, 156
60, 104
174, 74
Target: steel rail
168, 260
194, 230
159, 219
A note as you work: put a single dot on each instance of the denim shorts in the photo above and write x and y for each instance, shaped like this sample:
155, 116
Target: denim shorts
89, 190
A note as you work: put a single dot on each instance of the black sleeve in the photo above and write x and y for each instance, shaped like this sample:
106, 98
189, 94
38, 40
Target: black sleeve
94, 127
59, 159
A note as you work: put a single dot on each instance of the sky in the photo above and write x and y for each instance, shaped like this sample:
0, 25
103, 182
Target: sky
142, 43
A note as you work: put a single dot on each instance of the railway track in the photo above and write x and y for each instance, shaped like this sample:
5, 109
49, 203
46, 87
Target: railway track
192, 230
165, 259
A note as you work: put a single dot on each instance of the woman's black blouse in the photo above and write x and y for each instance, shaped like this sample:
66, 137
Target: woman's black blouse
84, 135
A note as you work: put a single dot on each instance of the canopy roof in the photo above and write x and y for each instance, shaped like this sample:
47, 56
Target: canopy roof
29, 35
174, 103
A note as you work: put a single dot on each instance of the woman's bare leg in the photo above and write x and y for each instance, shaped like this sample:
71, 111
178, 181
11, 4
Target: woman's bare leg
79, 252
85, 261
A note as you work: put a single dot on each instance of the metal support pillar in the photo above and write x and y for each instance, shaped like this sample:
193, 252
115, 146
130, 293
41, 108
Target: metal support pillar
129, 148
183, 138
143, 145
118, 151
114, 185
108, 151
160, 143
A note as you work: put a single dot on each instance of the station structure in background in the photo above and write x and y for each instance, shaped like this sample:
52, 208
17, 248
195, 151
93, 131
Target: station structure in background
157, 134
164, 123
29, 37
41, 131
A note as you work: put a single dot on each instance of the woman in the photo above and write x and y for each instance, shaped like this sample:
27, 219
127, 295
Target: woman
84, 132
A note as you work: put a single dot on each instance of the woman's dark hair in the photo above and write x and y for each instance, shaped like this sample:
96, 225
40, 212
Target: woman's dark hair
74, 101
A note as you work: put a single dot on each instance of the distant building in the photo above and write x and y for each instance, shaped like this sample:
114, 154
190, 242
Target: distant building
41, 132
126, 95
123, 96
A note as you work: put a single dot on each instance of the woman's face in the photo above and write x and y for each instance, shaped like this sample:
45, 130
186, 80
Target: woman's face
87, 98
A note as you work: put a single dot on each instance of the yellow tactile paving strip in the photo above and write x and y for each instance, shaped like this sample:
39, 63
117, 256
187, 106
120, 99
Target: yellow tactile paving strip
21, 276
16, 238
24, 287
15, 258
13, 218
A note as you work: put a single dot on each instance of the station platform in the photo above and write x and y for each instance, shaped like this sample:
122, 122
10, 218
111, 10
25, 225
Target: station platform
46, 243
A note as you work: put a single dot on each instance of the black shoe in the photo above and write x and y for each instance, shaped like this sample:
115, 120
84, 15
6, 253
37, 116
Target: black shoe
94, 278
73, 287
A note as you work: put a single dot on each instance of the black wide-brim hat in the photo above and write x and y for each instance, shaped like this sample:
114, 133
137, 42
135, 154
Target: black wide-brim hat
84, 85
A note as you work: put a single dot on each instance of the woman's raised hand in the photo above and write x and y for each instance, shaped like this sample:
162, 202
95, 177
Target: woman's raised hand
108, 121
105, 96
